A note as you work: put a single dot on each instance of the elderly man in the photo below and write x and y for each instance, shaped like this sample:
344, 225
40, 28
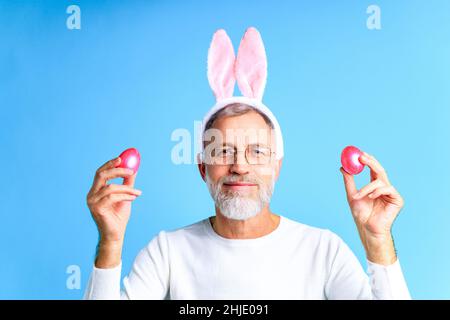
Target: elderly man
245, 251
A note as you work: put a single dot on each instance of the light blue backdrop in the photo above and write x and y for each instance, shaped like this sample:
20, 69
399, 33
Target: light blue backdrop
136, 71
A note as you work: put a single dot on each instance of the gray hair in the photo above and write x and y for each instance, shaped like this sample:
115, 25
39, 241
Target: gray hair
236, 109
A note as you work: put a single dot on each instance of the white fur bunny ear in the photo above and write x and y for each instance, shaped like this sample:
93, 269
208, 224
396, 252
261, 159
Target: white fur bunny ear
221, 65
251, 65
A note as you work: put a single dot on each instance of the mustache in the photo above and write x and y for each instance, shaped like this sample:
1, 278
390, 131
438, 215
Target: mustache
241, 179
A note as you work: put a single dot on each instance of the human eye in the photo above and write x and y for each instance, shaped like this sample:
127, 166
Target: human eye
224, 151
260, 151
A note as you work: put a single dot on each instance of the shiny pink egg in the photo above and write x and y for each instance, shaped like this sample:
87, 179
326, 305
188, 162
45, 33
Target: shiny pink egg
130, 159
350, 160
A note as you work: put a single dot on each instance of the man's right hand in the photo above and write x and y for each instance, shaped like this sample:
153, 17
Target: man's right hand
110, 206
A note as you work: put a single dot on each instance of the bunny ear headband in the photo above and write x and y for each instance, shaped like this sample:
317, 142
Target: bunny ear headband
250, 71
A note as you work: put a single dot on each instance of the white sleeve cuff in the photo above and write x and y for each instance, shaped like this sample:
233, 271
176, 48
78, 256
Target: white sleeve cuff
387, 282
104, 284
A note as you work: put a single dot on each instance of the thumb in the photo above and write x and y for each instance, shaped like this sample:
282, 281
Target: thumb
349, 183
129, 181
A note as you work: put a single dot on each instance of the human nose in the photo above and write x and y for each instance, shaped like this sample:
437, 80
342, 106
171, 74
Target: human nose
240, 165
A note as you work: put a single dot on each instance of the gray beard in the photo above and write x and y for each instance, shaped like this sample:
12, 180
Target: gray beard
236, 205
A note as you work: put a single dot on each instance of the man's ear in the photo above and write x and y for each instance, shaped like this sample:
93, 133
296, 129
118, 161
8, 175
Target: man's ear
278, 169
201, 167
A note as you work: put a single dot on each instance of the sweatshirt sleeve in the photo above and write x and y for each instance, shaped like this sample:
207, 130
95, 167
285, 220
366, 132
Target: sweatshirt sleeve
387, 282
148, 279
347, 279
104, 284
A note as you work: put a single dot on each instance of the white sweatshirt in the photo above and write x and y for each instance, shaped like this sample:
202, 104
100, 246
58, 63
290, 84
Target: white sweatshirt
294, 261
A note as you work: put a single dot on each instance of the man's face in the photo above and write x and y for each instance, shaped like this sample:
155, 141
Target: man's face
239, 189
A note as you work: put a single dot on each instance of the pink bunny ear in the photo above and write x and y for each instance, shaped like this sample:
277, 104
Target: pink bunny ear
221, 65
251, 65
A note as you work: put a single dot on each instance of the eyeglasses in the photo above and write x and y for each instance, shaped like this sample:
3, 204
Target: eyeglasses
226, 155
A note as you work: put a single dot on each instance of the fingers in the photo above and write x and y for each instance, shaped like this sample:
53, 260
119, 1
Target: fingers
129, 180
386, 190
391, 194
110, 164
349, 183
115, 197
102, 177
369, 189
107, 165
116, 188
376, 170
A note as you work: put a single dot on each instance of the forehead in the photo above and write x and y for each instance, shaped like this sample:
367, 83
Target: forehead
249, 120
243, 129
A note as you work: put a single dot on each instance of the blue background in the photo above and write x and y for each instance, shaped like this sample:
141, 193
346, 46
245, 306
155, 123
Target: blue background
136, 71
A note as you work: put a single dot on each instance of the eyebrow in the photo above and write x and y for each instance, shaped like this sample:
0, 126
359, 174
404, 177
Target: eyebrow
251, 144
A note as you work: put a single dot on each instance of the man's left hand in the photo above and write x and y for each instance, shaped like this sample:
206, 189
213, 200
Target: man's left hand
374, 209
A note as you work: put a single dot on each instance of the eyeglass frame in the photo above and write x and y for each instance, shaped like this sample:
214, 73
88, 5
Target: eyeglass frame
236, 151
